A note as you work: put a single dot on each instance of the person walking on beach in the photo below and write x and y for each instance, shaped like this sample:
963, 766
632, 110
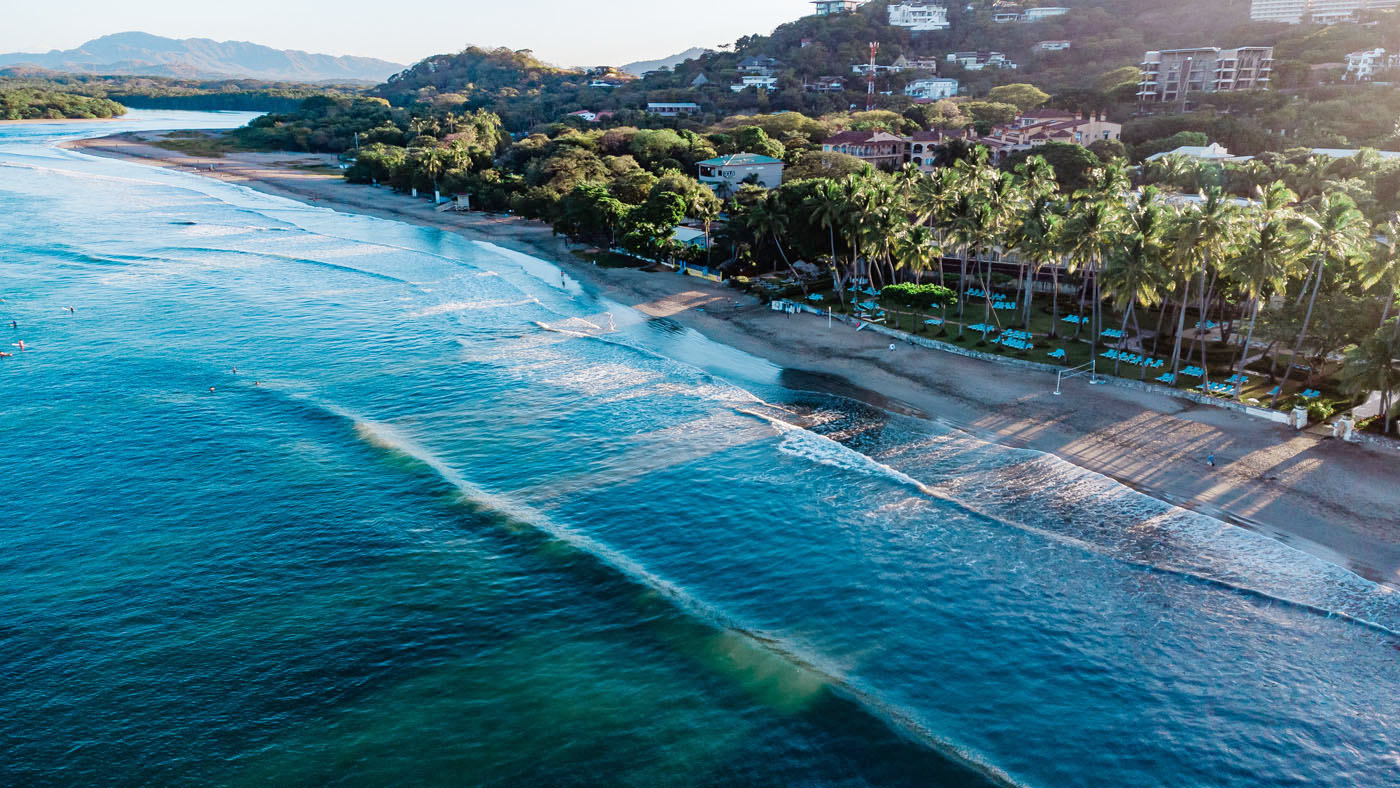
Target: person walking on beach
1211, 460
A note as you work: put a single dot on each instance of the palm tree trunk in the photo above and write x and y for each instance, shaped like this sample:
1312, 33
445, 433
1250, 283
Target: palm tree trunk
1124, 331
1244, 354
1302, 335
1203, 329
1180, 328
1055, 299
1029, 294
962, 288
1083, 293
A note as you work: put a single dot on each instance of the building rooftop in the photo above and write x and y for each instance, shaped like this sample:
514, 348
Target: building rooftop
740, 159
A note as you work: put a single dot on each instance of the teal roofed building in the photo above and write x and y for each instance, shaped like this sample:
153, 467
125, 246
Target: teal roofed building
725, 174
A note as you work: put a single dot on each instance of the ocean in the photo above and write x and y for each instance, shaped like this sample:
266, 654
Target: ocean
456, 519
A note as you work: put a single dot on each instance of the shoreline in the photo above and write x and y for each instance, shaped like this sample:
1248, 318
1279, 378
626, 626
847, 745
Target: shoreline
1334, 500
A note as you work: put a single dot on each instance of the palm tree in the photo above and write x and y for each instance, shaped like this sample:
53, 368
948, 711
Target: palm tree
1093, 231
1339, 237
1272, 254
1372, 366
1134, 273
828, 206
1383, 269
432, 162
1039, 243
770, 217
970, 220
1209, 232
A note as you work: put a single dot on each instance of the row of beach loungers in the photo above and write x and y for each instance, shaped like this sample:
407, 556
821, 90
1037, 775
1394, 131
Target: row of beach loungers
1135, 359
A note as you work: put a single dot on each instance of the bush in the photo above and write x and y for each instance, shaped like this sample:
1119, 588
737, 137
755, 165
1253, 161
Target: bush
1320, 411
924, 296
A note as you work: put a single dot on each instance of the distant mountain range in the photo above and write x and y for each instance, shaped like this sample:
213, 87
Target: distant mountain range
147, 55
643, 66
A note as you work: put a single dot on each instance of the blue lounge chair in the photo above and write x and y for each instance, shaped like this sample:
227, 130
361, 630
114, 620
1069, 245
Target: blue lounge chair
1058, 353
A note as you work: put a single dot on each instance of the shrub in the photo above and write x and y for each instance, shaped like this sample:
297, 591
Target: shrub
923, 296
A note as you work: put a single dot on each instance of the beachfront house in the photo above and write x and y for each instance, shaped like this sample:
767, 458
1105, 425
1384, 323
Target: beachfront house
725, 174
673, 109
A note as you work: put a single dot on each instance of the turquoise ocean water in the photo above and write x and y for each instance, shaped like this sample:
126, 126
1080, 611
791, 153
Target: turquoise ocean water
476, 525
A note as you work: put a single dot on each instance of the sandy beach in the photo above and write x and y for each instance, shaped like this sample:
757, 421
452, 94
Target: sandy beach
1333, 499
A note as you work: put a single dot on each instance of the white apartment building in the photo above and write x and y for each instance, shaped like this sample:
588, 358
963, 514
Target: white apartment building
1322, 12
933, 88
1037, 14
919, 17
1363, 66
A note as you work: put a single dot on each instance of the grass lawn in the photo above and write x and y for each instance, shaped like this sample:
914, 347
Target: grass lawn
197, 143
1077, 353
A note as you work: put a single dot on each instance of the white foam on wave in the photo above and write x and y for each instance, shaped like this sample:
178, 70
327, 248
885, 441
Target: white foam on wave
1070, 505
472, 306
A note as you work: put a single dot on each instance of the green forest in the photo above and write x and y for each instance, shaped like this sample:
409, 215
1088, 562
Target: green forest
136, 92
29, 104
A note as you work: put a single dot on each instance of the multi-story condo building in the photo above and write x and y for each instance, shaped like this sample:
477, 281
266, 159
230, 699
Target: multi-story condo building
834, 7
1363, 66
919, 17
934, 88
1322, 12
1172, 75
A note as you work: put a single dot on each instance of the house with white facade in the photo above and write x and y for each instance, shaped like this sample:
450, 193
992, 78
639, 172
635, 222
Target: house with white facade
1319, 12
932, 88
1363, 66
755, 81
725, 174
1044, 12
1050, 46
976, 61
919, 16
673, 109
834, 7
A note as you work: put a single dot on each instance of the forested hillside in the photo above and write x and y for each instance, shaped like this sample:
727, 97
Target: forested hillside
28, 104
246, 95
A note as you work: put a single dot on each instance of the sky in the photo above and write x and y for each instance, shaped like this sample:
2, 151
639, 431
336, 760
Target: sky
563, 32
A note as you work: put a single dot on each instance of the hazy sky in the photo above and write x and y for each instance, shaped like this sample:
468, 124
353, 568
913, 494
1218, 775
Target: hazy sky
565, 32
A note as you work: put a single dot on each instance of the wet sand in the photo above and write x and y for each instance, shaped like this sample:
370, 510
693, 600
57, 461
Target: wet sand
1336, 500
